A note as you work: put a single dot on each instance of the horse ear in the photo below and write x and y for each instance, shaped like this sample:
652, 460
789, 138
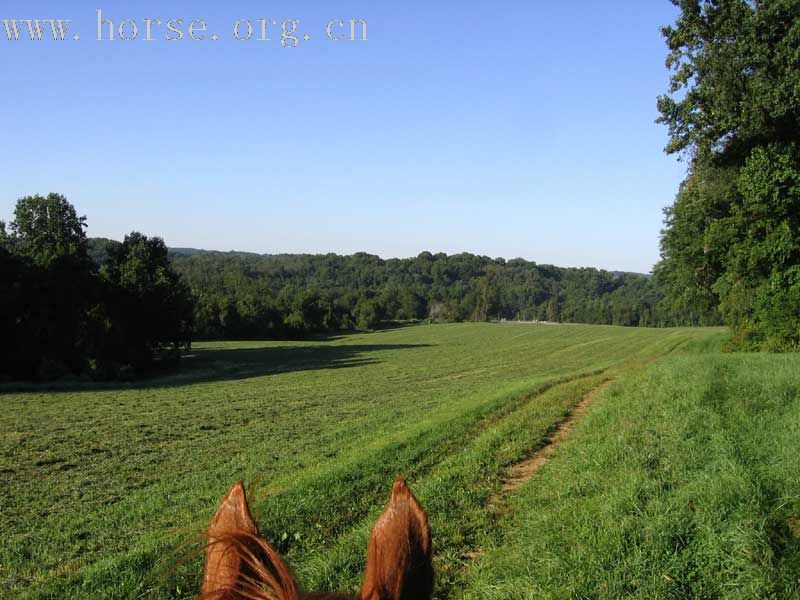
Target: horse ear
399, 565
224, 564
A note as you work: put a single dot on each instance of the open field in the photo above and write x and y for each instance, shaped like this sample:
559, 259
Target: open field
102, 485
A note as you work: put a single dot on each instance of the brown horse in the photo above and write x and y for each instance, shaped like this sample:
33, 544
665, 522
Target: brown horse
240, 565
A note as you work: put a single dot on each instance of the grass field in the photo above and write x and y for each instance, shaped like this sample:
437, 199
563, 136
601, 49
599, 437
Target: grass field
682, 482
661, 480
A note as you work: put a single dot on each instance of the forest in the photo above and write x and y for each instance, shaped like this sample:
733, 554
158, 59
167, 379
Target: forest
250, 296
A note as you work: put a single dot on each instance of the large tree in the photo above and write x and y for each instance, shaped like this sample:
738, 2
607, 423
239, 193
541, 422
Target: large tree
48, 230
147, 305
731, 244
49, 285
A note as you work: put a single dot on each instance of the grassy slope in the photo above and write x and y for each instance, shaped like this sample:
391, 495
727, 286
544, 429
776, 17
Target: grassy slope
103, 484
681, 482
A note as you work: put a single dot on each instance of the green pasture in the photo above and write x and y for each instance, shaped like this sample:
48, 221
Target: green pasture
107, 487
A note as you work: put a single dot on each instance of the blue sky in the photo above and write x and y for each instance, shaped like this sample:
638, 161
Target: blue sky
521, 128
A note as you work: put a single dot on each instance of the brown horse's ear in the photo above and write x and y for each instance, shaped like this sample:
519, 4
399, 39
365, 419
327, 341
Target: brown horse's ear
224, 562
399, 565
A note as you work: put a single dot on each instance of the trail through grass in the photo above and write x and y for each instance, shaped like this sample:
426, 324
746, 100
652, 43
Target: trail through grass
682, 482
104, 483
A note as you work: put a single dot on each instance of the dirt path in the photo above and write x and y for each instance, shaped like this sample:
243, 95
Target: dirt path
520, 473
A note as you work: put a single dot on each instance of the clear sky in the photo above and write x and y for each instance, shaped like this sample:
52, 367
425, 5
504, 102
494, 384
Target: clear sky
508, 128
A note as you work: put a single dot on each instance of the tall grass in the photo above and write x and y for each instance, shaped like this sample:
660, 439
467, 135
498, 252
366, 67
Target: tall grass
682, 482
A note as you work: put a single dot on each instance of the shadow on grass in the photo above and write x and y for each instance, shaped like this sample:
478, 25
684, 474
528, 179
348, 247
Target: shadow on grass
225, 364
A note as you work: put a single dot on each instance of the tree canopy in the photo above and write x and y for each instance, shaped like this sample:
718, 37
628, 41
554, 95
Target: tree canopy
731, 243
63, 313
248, 295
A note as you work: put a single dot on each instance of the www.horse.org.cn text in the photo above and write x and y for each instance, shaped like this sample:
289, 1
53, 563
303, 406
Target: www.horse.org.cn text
285, 32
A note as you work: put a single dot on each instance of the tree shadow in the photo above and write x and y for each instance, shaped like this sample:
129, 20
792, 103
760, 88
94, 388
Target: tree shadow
226, 364
243, 363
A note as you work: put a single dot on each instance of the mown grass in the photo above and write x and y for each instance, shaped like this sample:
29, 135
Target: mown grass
102, 484
682, 481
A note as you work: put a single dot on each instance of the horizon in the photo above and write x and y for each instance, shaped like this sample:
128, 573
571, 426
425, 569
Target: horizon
180, 249
525, 131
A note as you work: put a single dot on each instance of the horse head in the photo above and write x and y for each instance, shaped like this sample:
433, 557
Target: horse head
240, 565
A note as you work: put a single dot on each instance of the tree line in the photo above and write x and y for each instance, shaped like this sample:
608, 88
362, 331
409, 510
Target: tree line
64, 313
242, 295
731, 245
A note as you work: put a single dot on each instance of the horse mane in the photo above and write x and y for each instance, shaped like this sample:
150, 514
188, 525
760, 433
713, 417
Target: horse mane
264, 574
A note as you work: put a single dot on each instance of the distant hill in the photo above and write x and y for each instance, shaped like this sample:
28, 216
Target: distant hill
244, 294
189, 251
195, 251
98, 250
